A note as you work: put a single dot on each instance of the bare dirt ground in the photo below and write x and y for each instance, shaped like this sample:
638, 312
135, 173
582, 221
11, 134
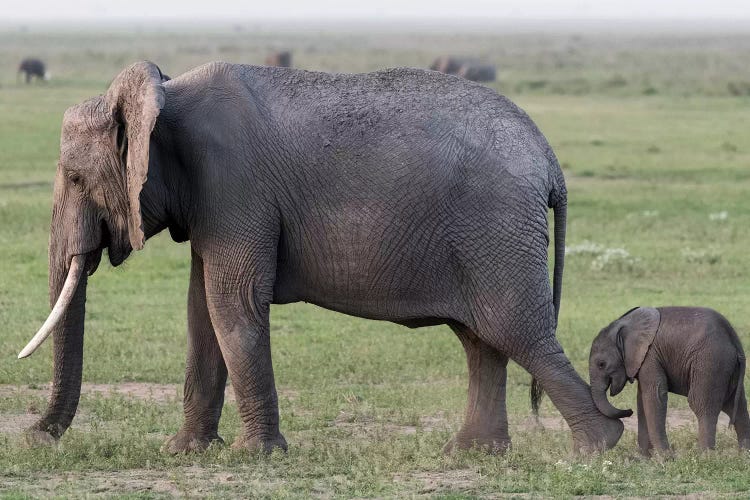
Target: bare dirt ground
676, 418
159, 393
190, 482
434, 482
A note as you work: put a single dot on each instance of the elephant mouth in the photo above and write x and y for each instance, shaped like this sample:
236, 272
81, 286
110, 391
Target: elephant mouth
117, 248
93, 259
616, 387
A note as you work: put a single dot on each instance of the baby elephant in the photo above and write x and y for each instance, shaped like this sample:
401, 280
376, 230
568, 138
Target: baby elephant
690, 351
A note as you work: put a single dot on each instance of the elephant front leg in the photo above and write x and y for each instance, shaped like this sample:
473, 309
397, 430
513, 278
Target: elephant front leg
654, 397
486, 421
644, 443
205, 373
239, 311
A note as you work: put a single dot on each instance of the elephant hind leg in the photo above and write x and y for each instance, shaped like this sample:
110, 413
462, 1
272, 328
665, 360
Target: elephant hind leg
486, 421
526, 335
706, 401
547, 363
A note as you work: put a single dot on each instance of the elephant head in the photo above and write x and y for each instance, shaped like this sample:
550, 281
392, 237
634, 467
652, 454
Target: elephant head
104, 157
617, 354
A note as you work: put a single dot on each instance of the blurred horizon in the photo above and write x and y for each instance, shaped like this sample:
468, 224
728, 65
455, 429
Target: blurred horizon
467, 24
384, 10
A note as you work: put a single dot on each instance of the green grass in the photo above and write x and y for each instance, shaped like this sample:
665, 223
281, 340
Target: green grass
366, 406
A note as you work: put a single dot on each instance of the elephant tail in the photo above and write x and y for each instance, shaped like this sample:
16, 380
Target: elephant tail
560, 209
561, 217
738, 382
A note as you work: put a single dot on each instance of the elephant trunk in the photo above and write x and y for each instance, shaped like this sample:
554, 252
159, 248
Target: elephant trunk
66, 324
599, 394
68, 366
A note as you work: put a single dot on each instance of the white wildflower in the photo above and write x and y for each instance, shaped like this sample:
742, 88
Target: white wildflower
564, 465
585, 247
723, 215
612, 257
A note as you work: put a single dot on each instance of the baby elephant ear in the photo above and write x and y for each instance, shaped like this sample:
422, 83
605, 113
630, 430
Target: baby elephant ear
638, 329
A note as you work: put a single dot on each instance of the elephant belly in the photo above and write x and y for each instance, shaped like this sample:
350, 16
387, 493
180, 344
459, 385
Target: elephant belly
377, 279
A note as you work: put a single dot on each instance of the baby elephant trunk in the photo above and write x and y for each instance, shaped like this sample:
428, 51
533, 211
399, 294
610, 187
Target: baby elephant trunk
599, 394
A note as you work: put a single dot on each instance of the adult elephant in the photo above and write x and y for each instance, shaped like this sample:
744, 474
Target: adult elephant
31, 67
401, 195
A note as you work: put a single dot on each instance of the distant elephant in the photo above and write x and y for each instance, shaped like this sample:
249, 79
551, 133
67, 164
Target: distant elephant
477, 72
690, 351
465, 68
447, 64
399, 195
281, 59
32, 67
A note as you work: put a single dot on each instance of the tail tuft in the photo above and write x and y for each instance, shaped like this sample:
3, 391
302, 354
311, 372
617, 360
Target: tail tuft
536, 392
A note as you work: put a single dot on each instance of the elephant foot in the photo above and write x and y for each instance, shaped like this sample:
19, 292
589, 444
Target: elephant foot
190, 442
599, 435
43, 434
664, 455
491, 444
38, 438
263, 444
744, 444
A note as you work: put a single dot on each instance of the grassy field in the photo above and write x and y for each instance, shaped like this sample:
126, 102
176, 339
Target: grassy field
652, 132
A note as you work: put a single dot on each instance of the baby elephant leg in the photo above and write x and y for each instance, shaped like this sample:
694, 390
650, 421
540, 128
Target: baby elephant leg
706, 405
644, 443
653, 396
707, 430
707, 397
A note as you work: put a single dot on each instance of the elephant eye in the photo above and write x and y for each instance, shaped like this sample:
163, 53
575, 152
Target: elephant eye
75, 178
601, 365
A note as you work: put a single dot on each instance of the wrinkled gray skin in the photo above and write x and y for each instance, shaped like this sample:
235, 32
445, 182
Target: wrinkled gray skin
477, 72
402, 195
282, 59
31, 67
690, 351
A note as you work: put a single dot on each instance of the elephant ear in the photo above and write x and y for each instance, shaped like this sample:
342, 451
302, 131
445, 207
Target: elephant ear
135, 99
636, 334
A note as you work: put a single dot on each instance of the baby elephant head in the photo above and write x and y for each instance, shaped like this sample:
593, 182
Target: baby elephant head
617, 354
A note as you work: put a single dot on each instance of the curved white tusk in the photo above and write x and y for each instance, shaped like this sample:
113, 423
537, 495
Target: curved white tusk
69, 288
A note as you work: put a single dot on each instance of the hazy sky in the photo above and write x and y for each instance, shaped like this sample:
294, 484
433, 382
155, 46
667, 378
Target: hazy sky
375, 9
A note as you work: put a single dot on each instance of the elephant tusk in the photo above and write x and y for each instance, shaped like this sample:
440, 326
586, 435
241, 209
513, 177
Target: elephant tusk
69, 288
